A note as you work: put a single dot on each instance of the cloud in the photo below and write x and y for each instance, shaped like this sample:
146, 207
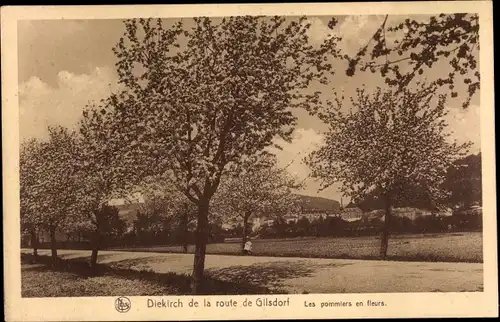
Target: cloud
318, 31
292, 154
304, 141
42, 105
356, 31
464, 126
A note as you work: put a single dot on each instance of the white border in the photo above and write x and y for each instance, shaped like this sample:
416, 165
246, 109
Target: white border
398, 305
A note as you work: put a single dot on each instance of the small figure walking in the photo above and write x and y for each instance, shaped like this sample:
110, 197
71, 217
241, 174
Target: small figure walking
247, 248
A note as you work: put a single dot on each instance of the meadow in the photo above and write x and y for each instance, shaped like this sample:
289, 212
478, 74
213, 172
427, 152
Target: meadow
36, 277
448, 247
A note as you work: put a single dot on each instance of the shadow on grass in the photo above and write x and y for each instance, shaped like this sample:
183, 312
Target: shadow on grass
142, 262
270, 275
181, 283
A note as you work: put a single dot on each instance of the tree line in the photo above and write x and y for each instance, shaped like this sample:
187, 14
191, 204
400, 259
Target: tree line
331, 226
201, 105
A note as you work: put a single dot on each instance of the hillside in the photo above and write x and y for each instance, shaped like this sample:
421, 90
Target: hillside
318, 203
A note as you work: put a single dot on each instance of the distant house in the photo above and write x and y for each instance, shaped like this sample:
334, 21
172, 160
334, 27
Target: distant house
351, 213
311, 216
256, 222
414, 213
311, 207
314, 208
259, 221
291, 219
375, 214
408, 212
268, 221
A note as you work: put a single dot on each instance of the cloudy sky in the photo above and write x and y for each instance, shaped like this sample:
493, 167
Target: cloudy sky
64, 64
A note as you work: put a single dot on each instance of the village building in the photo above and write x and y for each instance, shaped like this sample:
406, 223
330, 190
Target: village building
316, 214
351, 213
312, 208
259, 221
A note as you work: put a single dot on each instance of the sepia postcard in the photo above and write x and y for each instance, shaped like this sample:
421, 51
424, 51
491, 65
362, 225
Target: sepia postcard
250, 161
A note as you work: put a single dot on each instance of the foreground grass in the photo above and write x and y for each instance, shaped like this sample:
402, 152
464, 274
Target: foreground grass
447, 247
40, 281
74, 278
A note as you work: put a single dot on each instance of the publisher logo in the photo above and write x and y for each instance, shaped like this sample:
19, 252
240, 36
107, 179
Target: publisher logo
122, 304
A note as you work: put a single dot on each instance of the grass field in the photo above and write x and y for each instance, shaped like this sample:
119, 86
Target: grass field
74, 277
40, 281
450, 247
146, 273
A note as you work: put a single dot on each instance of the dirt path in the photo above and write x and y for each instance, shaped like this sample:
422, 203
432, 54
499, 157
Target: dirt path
299, 275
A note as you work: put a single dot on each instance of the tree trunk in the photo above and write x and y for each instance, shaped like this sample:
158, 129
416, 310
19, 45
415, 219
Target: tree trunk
95, 248
384, 239
185, 223
34, 243
245, 230
200, 246
53, 245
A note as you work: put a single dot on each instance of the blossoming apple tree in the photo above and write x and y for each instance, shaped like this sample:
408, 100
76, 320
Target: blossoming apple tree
387, 143
30, 163
256, 187
406, 50
203, 93
48, 183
